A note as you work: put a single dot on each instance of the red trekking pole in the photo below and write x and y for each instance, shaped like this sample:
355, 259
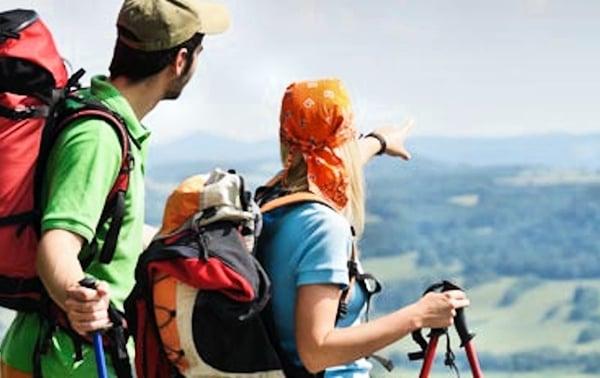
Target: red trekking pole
428, 348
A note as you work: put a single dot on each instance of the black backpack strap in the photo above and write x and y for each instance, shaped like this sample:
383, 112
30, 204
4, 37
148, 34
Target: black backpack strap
367, 282
19, 218
24, 219
41, 111
117, 336
353, 273
42, 343
370, 286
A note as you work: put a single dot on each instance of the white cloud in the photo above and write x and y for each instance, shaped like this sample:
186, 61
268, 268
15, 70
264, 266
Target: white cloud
466, 68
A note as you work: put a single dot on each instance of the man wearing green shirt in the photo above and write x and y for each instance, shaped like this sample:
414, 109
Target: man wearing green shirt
154, 58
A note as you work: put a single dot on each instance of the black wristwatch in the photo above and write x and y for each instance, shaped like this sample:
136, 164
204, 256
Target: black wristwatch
381, 140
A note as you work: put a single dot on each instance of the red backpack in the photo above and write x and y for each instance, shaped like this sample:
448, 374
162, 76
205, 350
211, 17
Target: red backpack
37, 101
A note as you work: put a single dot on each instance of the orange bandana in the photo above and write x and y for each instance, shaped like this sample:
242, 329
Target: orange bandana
315, 119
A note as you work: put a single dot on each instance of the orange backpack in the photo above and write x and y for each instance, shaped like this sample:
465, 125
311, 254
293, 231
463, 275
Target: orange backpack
197, 307
194, 310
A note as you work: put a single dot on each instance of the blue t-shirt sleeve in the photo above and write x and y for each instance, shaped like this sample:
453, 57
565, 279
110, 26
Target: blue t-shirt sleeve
324, 249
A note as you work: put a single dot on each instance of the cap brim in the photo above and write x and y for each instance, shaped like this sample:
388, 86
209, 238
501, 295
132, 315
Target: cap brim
214, 18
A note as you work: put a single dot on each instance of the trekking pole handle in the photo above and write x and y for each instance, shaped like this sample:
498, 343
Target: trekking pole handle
90, 283
460, 324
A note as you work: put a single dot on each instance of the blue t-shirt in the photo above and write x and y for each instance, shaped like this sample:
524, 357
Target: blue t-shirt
308, 244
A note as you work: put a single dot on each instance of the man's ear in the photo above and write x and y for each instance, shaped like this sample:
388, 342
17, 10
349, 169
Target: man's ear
180, 61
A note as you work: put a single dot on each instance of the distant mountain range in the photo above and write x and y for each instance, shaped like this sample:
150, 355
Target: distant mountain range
551, 150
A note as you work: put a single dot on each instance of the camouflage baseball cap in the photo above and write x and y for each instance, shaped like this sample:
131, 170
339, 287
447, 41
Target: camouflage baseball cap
153, 25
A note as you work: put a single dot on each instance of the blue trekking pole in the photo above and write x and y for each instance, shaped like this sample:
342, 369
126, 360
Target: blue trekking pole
90, 283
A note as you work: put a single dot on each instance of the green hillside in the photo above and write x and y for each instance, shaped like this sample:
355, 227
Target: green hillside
531, 330
508, 221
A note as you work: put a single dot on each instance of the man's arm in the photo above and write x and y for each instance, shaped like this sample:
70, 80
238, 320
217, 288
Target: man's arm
60, 271
81, 169
57, 263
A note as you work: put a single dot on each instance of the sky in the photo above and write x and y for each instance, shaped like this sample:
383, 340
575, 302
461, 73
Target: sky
458, 67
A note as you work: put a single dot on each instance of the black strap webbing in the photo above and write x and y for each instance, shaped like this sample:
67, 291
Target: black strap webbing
112, 235
20, 218
41, 111
118, 347
449, 357
113, 211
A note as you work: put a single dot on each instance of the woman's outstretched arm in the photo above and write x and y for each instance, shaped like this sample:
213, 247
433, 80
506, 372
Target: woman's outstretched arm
395, 138
321, 345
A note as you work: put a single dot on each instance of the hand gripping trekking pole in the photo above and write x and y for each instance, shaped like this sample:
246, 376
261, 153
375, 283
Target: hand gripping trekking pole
427, 352
90, 283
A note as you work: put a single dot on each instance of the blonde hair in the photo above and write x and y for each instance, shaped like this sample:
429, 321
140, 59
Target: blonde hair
349, 152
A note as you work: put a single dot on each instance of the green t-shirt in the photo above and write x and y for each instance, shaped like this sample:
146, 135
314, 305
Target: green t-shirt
82, 168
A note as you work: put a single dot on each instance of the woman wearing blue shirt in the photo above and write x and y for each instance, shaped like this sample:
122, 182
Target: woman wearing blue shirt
306, 247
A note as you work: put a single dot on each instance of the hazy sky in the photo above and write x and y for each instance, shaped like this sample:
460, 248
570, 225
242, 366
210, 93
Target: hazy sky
465, 67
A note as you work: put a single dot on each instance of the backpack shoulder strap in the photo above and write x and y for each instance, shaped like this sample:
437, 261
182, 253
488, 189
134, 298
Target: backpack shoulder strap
290, 199
272, 196
114, 208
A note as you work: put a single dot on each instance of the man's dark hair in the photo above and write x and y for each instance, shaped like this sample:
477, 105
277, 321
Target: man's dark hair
137, 65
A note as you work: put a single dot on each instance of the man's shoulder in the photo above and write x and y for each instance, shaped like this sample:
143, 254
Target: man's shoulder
90, 128
86, 139
86, 132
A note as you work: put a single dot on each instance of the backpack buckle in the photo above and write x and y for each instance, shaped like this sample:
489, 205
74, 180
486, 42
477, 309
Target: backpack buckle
6, 34
129, 164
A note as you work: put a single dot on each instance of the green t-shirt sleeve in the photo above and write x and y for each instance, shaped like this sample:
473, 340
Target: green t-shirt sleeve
82, 168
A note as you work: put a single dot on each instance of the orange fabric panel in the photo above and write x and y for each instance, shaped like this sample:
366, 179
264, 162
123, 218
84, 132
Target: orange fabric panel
7, 371
165, 304
182, 204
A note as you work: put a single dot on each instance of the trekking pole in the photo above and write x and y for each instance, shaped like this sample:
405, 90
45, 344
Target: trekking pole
429, 355
465, 336
428, 348
90, 283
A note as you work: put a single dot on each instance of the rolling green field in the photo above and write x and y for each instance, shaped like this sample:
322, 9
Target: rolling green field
398, 373
536, 319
